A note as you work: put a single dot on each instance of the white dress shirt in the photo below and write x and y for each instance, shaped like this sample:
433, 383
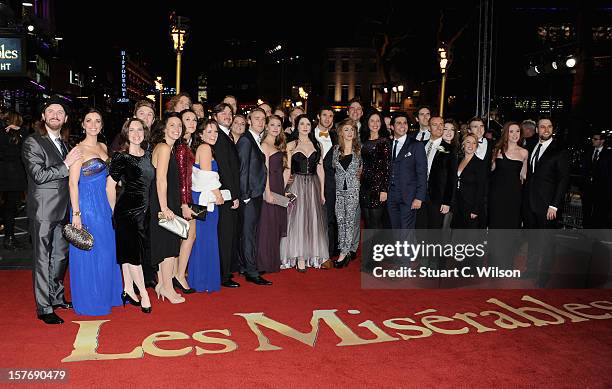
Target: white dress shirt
54, 141
481, 150
400, 143
325, 141
543, 148
434, 145
257, 138
225, 130
597, 150
423, 135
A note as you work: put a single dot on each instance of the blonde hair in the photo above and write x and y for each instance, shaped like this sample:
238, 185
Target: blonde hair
350, 123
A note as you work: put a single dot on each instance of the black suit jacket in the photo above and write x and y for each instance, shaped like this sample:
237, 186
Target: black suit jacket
330, 173
442, 176
253, 170
226, 156
548, 185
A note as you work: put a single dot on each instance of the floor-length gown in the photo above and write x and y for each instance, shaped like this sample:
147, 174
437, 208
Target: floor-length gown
306, 219
272, 220
95, 276
505, 194
204, 272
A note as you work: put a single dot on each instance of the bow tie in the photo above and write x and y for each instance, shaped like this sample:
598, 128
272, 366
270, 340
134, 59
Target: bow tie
325, 134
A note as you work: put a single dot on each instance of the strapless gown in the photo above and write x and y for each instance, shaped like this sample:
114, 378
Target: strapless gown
95, 276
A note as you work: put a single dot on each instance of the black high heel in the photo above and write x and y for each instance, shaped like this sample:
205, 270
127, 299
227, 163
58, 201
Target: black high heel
178, 285
125, 297
146, 310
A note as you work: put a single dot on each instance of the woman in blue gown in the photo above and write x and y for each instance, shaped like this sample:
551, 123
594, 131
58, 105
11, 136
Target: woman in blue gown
204, 274
95, 277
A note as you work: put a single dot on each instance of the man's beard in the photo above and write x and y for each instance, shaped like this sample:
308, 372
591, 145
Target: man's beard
54, 126
542, 137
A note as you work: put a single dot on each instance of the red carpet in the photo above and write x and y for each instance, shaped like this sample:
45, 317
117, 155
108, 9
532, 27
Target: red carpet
571, 354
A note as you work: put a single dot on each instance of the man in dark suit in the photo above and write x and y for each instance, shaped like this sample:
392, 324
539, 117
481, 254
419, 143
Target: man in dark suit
596, 172
229, 173
545, 188
407, 176
328, 137
441, 178
483, 152
253, 175
46, 159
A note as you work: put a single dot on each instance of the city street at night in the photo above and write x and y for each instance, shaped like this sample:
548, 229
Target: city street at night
389, 195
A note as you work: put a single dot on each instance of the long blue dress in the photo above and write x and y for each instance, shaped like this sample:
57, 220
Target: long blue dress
204, 274
95, 276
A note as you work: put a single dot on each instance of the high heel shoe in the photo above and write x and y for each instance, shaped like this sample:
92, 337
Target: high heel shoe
146, 309
343, 263
300, 270
176, 283
174, 300
125, 297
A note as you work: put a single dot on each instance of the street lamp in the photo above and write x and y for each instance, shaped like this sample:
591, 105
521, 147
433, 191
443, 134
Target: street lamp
159, 85
178, 32
444, 57
304, 95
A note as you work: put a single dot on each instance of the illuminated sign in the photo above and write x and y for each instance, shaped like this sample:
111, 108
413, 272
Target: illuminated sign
123, 98
11, 56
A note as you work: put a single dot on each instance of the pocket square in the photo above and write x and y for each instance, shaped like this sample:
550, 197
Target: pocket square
408, 155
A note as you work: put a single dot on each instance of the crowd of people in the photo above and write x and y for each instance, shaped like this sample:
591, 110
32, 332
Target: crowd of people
281, 191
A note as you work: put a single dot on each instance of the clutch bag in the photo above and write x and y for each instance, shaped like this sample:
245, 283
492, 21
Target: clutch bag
178, 225
199, 210
79, 238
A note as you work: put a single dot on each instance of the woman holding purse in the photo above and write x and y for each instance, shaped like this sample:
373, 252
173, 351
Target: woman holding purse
204, 264
273, 219
95, 277
166, 202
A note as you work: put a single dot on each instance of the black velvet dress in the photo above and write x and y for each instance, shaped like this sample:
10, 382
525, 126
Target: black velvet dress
131, 214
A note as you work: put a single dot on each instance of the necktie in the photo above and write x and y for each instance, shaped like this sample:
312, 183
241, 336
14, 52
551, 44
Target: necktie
536, 157
596, 155
422, 136
429, 147
231, 136
62, 147
394, 149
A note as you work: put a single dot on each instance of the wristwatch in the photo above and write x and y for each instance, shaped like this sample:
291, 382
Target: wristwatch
76, 213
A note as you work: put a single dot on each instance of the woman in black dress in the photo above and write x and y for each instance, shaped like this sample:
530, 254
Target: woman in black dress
166, 199
131, 166
375, 153
471, 185
509, 168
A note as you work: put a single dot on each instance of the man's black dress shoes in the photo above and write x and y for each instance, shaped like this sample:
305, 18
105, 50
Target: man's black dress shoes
149, 284
230, 284
259, 280
50, 318
64, 305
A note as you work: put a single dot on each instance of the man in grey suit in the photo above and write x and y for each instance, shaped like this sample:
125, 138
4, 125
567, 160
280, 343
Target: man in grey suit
46, 159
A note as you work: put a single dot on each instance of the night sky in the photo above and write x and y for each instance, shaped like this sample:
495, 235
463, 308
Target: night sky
97, 32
